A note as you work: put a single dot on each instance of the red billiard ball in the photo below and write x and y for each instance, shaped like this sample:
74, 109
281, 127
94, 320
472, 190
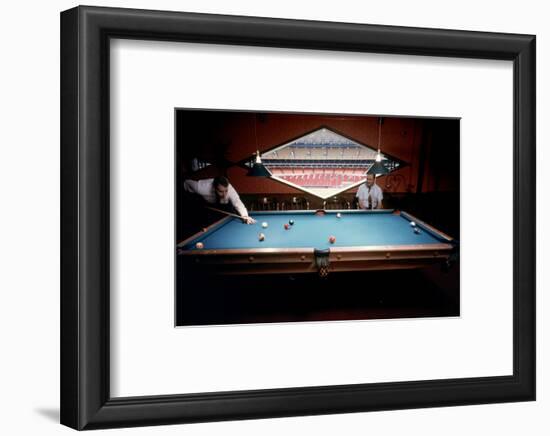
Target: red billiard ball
287, 226
332, 239
199, 245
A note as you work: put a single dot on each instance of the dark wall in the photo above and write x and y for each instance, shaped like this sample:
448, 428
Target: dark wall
430, 148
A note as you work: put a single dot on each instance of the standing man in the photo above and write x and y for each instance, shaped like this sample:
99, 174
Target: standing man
219, 193
370, 194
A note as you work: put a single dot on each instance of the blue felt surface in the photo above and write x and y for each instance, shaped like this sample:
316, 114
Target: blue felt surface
311, 231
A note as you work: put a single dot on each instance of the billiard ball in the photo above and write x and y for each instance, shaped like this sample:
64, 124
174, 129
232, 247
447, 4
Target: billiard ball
199, 245
264, 225
338, 215
287, 226
413, 224
291, 222
417, 230
332, 239
261, 236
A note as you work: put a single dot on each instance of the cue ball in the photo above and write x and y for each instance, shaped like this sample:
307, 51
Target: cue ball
261, 236
291, 222
264, 225
338, 215
199, 245
413, 224
332, 239
287, 227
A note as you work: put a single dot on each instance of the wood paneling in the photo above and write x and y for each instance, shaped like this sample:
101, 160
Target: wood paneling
429, 147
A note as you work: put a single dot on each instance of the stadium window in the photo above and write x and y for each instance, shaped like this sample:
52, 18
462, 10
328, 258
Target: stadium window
323, 163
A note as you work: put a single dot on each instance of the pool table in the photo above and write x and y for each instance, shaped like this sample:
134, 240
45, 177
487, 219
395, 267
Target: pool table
365, 240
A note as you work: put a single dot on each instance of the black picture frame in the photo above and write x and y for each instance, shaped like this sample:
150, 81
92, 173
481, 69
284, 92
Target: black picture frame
85, 372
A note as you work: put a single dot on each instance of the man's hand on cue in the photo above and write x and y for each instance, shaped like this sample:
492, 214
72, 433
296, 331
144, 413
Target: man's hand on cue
248, 220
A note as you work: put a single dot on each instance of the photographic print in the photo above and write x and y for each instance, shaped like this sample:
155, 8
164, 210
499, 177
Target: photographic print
338, 246
295, 217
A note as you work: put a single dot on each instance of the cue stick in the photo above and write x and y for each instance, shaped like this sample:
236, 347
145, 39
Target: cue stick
223, 211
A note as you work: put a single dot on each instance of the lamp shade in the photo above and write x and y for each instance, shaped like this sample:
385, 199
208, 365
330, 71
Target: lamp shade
378, 169
258, 170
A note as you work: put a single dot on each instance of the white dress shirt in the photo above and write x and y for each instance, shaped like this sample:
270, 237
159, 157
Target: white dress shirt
366, 195
205, 188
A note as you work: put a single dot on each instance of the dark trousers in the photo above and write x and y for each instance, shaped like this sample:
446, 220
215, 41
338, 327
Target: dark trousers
193, 214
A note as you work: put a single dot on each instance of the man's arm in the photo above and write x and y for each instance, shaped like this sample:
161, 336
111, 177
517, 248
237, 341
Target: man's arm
235, 200
379, 199
361, 198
